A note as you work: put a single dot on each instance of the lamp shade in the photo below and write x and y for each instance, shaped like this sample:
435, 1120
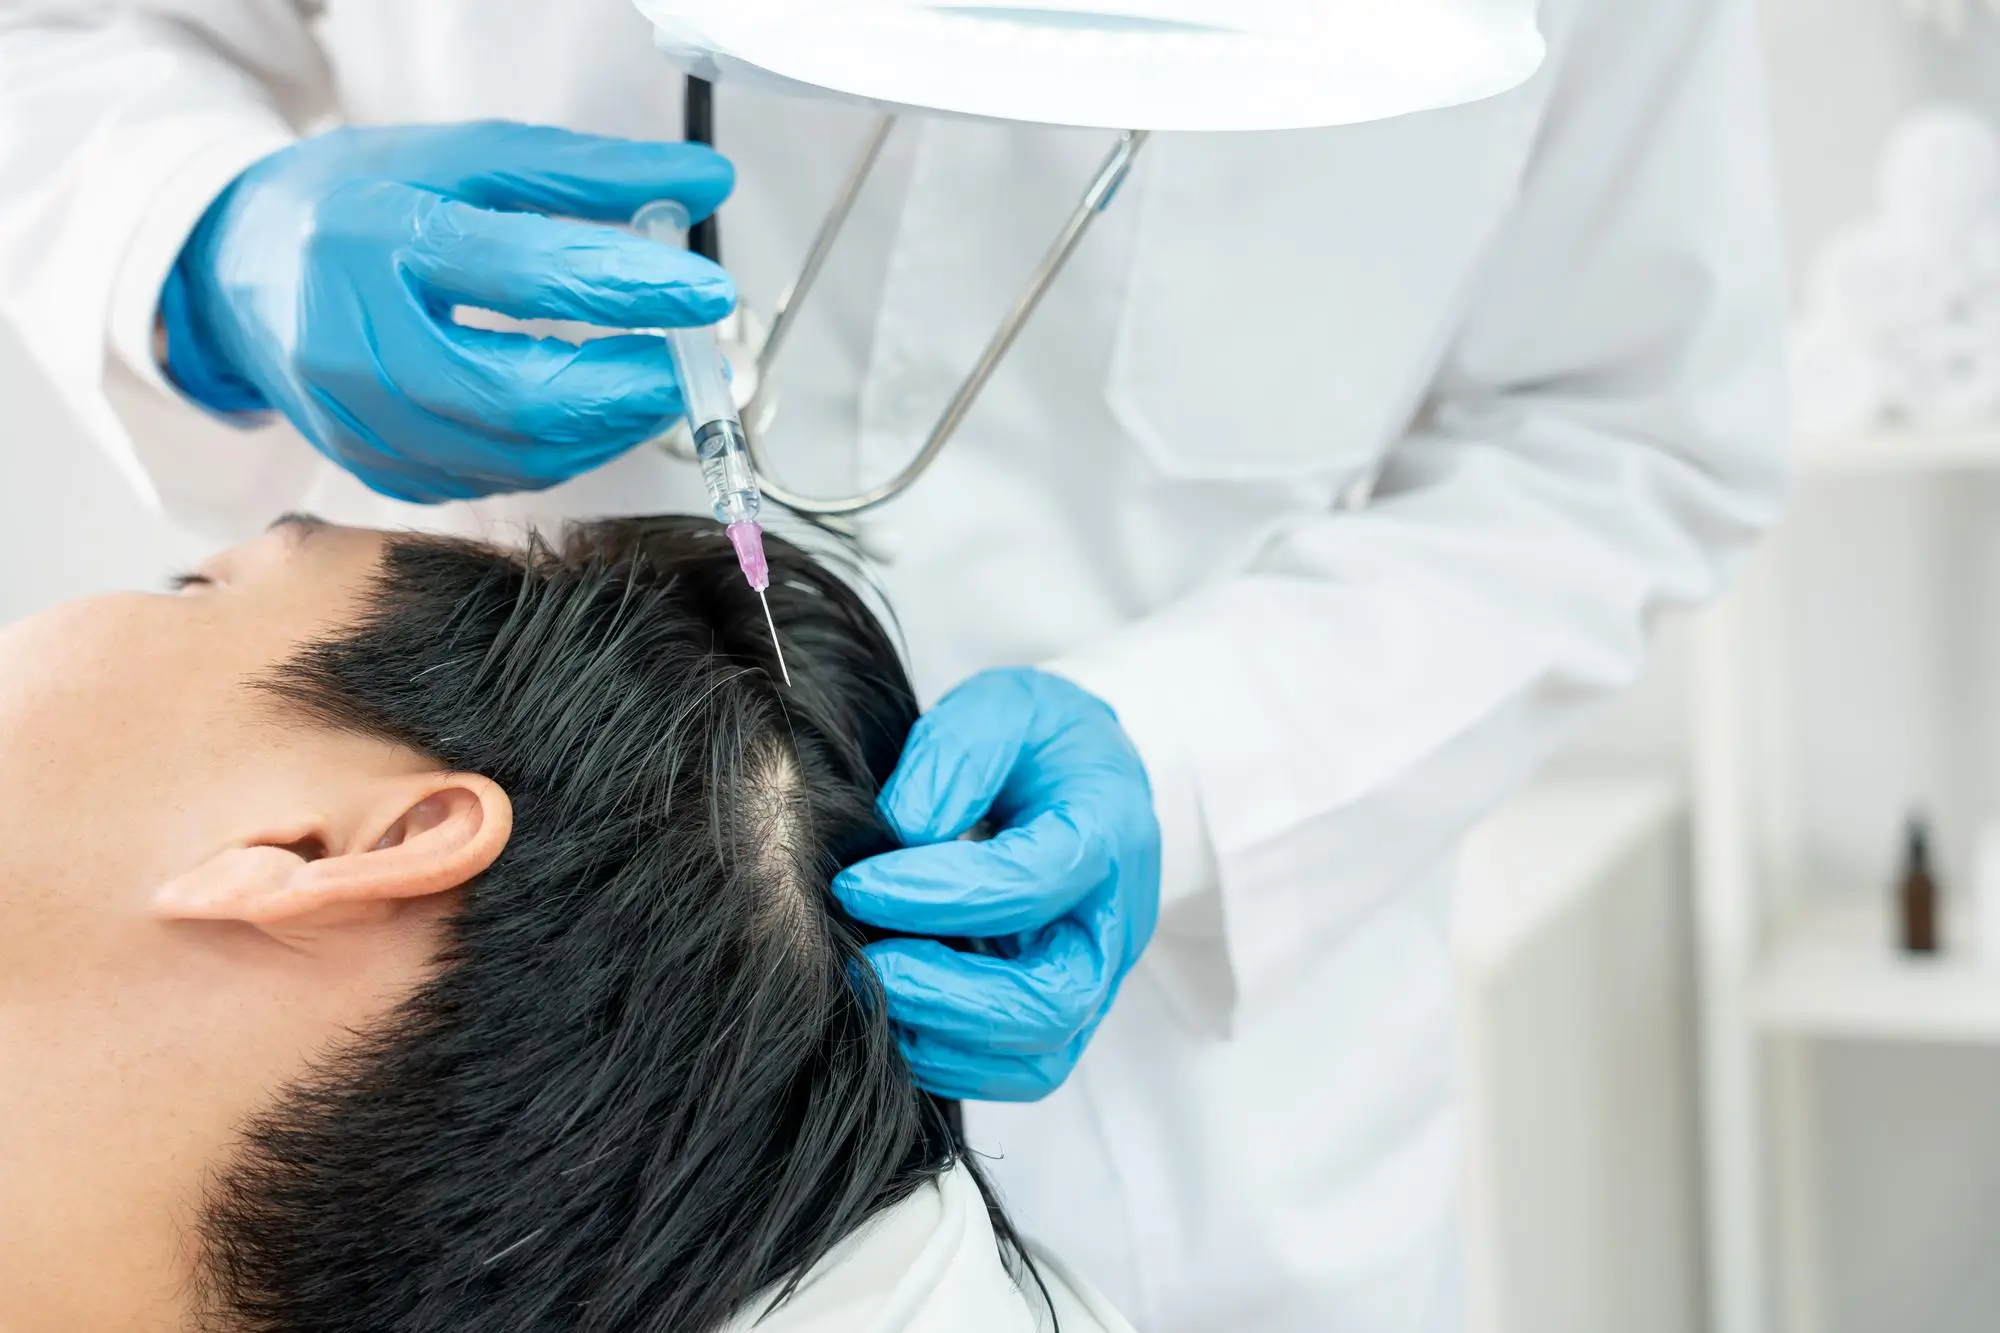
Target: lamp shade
1193, 65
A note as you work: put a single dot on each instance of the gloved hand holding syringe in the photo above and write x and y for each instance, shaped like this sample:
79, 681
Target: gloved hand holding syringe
717, 431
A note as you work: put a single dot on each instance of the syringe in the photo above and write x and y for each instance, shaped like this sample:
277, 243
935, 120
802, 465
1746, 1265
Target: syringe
719, 443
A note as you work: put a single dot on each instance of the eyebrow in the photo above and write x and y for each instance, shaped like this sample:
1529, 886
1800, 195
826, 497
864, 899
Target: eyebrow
298, 526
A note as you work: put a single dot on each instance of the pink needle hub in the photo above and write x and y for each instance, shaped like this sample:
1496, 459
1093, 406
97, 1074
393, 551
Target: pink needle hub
748, 539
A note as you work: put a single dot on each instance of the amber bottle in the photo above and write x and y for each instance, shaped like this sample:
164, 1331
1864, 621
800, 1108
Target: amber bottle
1917, 895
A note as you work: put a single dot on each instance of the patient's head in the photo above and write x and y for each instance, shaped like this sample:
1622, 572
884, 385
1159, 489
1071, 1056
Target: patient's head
400, 934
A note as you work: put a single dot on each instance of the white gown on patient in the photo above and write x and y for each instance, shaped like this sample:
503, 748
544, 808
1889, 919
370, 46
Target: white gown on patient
931, 1265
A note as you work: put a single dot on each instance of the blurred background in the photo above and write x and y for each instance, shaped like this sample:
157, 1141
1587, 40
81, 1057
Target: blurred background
1709, 1087
1712, 1090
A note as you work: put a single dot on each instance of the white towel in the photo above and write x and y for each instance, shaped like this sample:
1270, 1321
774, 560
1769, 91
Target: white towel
1901, 316
1949, 378
1879, 283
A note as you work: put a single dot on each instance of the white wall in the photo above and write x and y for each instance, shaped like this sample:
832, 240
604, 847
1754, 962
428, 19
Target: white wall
68, 524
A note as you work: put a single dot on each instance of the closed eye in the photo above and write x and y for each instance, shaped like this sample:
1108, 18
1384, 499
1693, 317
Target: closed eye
181, 582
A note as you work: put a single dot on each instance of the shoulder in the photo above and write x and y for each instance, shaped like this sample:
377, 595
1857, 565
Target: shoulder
932, 1264
1078, 1306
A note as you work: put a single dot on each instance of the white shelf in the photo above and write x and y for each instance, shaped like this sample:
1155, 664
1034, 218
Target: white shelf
1832, 970
1891, 451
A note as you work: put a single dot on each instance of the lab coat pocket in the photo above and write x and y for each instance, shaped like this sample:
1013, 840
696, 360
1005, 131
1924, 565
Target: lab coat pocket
1289, 295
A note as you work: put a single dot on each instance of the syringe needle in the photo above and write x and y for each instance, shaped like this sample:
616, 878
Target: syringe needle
782, 669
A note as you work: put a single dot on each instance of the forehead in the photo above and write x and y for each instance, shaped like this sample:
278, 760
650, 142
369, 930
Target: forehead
243, 609
155, 686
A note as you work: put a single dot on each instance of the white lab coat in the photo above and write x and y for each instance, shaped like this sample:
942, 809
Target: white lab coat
1349, 466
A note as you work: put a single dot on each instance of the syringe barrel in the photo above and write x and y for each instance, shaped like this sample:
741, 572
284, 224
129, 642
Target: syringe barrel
719, 442
704, 388
725, 467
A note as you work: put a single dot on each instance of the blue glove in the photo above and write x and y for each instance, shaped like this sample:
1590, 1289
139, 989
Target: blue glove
1064, 896
321, 283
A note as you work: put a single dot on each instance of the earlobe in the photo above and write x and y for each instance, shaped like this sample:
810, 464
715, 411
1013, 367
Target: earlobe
406, 839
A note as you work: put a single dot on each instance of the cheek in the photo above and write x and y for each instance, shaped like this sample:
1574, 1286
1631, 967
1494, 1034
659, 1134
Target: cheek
74, 681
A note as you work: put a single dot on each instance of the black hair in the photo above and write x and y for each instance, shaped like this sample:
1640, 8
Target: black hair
652, 1078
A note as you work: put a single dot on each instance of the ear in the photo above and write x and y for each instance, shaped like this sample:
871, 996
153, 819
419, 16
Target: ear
405, 840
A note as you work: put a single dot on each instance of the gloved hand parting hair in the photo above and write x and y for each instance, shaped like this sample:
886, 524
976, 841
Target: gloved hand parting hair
321, 284
1066, 893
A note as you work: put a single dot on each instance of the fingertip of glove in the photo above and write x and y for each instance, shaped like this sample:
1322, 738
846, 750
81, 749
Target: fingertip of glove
860, 896
723, 171
905, 962
709, 299
904, 815
703, 177
844, 886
